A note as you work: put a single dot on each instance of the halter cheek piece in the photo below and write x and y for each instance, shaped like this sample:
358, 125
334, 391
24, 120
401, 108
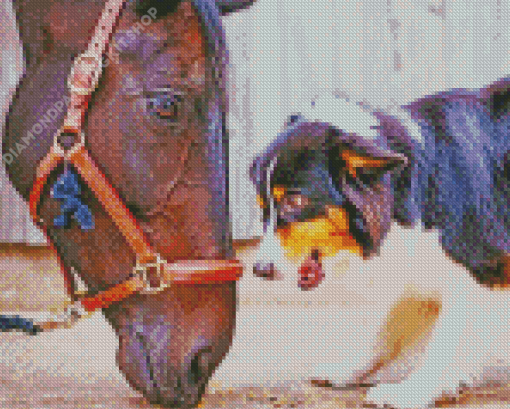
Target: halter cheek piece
152, 273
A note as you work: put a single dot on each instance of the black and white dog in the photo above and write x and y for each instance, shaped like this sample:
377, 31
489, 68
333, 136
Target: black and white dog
417, 203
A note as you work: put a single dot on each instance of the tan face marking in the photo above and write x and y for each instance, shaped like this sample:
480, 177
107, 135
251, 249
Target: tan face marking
328, 234
261, 202
355, 161
279, 192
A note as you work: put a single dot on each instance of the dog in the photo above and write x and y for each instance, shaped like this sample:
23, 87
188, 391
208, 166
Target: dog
406, 208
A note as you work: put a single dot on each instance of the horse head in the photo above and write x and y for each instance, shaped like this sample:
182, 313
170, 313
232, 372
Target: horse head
155, 126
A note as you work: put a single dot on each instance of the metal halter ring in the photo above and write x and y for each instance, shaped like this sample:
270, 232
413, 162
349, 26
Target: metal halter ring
66, 319
157, 268
58, 147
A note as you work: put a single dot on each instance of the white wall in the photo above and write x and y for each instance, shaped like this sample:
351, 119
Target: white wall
385, 52
282, 52
15, 221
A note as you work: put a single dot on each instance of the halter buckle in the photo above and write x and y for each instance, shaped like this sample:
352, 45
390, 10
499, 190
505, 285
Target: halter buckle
152, 275
85, 74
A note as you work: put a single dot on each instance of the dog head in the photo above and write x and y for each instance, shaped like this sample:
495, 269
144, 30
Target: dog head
324, 185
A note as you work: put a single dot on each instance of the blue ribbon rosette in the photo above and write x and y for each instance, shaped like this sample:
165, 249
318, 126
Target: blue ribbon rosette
67, 190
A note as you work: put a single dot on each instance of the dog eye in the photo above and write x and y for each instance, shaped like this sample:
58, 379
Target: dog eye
165, 104
294, 202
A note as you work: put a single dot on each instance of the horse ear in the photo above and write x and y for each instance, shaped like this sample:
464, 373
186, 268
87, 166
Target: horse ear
375, 163
497, 98
229, 6
294, 119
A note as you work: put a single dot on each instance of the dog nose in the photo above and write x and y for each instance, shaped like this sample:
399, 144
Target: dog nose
265, 270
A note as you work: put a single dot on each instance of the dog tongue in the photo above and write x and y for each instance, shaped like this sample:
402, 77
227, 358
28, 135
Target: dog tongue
310, 273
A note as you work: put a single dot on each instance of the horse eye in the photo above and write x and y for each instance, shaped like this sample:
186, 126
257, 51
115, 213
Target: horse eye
164, 104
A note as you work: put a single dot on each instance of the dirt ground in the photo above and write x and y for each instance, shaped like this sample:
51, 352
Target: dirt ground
76, 368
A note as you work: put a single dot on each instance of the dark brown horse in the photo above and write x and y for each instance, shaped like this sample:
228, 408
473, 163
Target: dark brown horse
156, 128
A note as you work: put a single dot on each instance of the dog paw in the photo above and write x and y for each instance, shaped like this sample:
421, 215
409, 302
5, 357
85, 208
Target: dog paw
402, 396
421, 390
325, 383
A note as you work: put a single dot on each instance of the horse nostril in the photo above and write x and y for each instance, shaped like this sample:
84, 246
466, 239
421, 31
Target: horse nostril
265, 270
200, 367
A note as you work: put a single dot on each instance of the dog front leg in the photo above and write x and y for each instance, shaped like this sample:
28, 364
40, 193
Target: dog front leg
440, 371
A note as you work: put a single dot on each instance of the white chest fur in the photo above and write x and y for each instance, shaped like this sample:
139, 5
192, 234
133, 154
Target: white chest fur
409, 319
338, 329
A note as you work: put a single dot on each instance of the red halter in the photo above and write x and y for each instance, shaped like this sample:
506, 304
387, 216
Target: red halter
150, 266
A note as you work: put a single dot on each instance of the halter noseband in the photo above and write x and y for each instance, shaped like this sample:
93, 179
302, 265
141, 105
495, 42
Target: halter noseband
150, 266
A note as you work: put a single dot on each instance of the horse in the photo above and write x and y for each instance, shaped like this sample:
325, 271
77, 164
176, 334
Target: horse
154, 130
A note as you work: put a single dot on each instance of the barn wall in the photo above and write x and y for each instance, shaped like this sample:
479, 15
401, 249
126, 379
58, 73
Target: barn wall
15, 222
385, 53
284, 52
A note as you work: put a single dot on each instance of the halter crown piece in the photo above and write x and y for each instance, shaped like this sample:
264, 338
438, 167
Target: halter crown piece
151, 273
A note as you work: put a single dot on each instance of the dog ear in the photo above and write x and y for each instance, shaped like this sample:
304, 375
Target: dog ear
229, 6
373, 165
370, 194
296, 136
258, 176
